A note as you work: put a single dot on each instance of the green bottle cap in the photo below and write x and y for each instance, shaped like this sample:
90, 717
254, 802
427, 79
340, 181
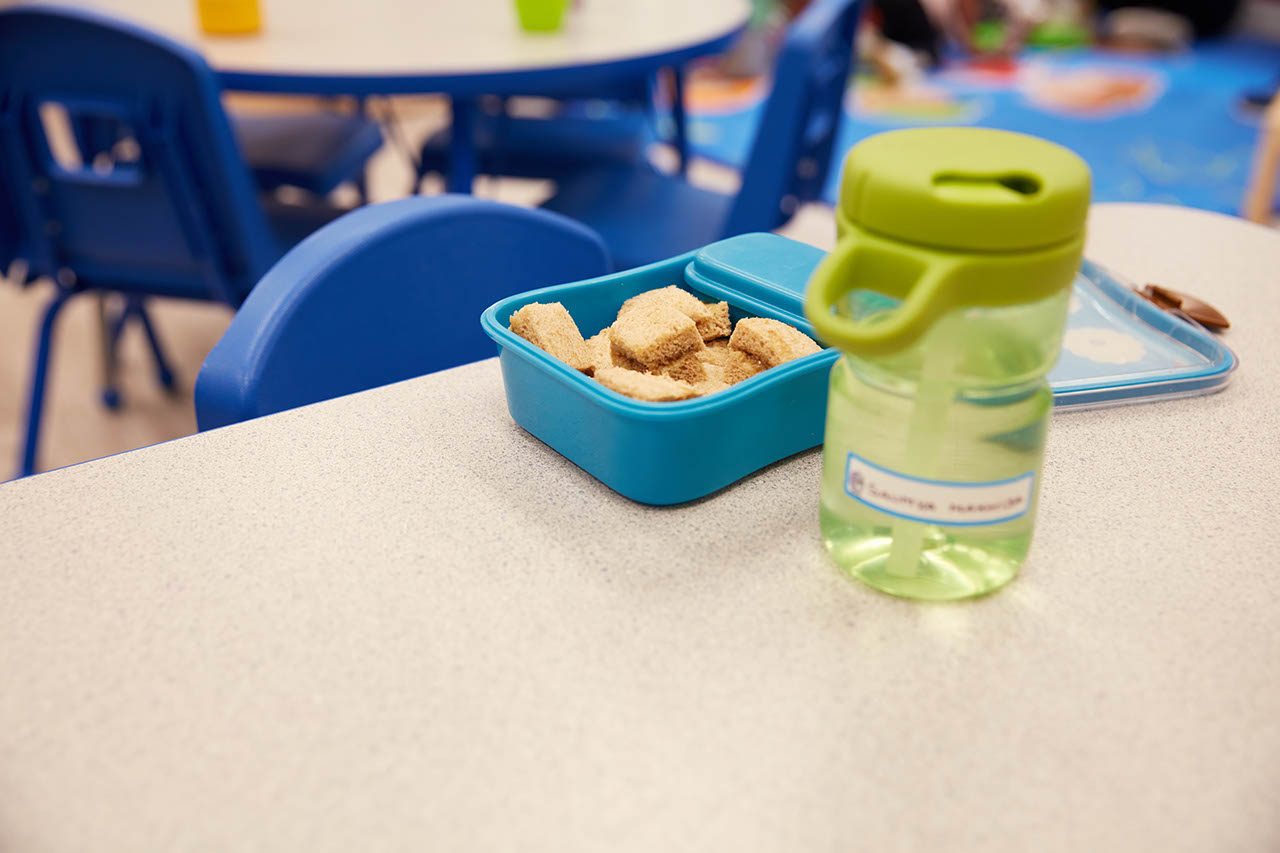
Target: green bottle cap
948, 218
965, 188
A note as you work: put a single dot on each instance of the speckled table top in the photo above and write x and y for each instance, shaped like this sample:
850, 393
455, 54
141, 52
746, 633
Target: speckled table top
396, 621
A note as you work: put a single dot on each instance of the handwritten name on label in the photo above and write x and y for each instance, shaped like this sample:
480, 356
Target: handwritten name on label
938, 501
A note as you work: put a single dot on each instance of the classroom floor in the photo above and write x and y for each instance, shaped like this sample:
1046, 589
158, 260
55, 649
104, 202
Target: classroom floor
77, 427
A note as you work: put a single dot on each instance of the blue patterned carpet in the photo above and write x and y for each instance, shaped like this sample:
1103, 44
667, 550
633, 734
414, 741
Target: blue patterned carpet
1158, 129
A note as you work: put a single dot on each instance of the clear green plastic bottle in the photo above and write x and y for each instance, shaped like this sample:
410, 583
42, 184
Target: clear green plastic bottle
948, 292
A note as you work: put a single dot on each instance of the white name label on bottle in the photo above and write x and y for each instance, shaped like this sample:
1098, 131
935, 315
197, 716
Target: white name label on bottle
937, 501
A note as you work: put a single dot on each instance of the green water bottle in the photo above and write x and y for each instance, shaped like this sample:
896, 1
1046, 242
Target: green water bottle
948, 292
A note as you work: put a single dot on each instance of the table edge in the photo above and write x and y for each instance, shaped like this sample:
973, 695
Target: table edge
530, 80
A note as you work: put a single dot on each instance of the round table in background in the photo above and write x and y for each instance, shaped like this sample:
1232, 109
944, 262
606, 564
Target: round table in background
468, 48
381, 47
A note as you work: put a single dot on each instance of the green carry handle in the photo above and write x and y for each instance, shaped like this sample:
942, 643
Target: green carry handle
947, 218
929, 282
921, 288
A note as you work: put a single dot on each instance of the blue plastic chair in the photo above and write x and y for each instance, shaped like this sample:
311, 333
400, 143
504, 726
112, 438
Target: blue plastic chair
387, 292
645, 216
604, 125
172, 214
313, 151
550, 148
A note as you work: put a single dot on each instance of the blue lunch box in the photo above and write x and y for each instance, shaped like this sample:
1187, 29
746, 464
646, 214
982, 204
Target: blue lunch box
668, 453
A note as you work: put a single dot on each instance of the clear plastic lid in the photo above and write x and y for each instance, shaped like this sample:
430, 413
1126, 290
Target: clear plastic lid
1119, 348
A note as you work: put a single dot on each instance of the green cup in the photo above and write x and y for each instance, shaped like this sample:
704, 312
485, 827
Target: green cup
541, 16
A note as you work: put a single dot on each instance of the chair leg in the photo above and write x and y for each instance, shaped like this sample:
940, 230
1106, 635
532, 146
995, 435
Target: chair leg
678, 119
110, 386
110, 364
419, 172
39, 378
163, 373
117, 326
362, 178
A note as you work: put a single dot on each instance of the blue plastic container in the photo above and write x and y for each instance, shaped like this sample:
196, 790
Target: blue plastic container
668, 453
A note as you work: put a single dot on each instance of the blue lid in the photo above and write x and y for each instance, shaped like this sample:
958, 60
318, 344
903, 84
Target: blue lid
764, 271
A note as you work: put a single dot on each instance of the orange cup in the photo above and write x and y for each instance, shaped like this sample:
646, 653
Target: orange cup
229, 17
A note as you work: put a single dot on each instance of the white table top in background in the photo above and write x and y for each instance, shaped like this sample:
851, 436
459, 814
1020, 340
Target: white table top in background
396, 621
373, 38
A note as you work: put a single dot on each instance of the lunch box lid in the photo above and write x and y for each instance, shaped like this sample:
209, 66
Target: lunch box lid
762, 272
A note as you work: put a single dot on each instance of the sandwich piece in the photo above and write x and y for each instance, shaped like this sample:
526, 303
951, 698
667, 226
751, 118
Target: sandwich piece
739, 366
654, 335
711, 319
771, 342
732, 365
598, 352
719, 325
621, 359
715, 373
642, 386
709, 386
687, 368
550, 328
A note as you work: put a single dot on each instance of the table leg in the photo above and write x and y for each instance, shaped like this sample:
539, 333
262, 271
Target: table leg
462, 149
681, 140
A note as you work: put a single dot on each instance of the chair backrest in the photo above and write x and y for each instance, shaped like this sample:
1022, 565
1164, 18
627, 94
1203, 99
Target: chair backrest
117, 164
387, 292
791, 153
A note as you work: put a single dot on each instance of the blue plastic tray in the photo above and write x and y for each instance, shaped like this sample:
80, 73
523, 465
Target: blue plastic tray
1119, 349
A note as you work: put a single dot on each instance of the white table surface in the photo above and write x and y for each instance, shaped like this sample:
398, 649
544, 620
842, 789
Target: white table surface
396, 621
433, 38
